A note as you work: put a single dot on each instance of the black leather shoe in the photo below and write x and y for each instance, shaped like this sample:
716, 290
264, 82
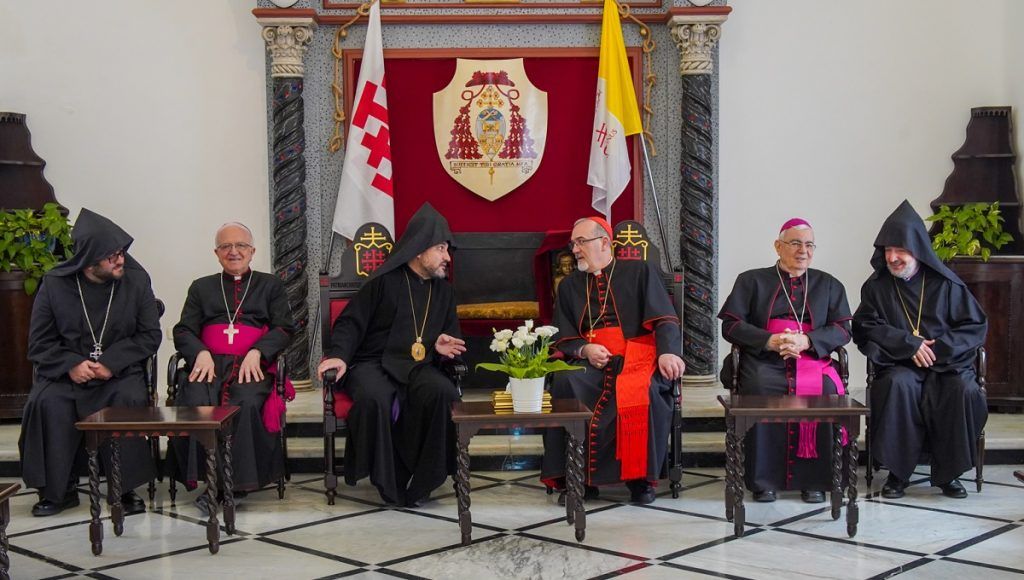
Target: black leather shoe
893, 488
641, 492
132, 504
953, 489
45, 507
766, 496
812, 496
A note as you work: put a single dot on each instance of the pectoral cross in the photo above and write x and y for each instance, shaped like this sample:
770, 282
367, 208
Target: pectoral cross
231, 331
97, 352
591, 335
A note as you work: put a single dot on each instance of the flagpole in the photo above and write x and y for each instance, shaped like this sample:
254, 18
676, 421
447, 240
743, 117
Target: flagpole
657, 206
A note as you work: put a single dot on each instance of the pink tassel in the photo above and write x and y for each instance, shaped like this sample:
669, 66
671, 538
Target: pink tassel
807, 447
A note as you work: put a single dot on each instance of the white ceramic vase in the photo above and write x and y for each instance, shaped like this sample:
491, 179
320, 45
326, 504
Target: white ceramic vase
527, 394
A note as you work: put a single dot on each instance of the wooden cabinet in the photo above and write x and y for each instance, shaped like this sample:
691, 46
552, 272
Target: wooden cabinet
999, 286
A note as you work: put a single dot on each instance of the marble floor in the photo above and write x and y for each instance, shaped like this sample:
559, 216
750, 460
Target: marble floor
519, 532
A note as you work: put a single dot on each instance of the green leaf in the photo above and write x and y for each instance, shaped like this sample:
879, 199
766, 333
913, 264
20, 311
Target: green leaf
31, 284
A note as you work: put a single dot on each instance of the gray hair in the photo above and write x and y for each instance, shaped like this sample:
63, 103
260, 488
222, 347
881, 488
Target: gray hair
223, 227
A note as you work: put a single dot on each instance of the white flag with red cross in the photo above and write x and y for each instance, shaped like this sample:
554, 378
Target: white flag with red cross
366, 194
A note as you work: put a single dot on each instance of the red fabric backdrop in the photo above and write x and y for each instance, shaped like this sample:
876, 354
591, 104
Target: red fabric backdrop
557, 193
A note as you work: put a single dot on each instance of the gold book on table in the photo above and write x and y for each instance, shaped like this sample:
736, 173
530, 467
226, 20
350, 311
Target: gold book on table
502, 402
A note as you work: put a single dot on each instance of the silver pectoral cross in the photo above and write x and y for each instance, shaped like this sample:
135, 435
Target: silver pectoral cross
97, 352
231, 331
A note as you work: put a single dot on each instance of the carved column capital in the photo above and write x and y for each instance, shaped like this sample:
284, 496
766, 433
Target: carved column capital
286, 40
696, 36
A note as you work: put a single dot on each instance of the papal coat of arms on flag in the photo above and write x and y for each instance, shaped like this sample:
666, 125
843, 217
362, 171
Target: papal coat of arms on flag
490, 126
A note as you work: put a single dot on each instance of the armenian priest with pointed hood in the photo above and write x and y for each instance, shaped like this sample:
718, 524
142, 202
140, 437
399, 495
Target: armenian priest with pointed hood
94, 324
616, 319
233, 326
920, 325
786, 320
385, 347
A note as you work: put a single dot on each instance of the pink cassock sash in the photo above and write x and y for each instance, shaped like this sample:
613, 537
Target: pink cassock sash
246, 336
809, 381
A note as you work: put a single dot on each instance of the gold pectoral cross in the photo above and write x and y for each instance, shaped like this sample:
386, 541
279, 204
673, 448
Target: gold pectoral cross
231, 331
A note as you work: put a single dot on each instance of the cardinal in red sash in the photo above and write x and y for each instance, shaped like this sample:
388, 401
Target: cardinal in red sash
616, 319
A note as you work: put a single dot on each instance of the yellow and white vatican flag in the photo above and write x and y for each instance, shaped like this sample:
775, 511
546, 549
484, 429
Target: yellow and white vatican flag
615, 116
366, 194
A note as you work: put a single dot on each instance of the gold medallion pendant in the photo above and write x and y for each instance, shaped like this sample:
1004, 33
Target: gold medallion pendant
418, 351
917, 333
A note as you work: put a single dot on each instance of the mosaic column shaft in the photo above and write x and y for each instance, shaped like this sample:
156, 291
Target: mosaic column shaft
286, 42
696, 37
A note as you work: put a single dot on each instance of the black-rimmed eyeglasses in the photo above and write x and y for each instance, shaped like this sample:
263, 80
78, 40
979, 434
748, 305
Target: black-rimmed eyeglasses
581, 241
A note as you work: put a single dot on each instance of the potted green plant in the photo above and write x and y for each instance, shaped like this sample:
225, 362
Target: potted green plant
973, 229
32, 242
524, 355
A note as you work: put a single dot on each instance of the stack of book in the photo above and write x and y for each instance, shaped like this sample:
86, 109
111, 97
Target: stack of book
502, 401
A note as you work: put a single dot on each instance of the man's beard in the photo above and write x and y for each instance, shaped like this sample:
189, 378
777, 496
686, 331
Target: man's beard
908, 271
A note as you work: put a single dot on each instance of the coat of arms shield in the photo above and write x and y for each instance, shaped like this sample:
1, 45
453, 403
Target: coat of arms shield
490, 126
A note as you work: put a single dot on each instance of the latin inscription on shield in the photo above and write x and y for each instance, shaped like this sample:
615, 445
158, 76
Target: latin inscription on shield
490, 126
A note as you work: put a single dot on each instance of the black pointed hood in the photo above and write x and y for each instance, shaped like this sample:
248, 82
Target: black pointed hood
905, 229
426, 228
95, 237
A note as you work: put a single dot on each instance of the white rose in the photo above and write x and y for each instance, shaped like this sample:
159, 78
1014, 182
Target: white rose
528, 324
499, 345
530, 338
518, 342
503, 335
545, 331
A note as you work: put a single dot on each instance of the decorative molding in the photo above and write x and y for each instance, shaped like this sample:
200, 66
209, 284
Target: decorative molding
696, 36
286, 40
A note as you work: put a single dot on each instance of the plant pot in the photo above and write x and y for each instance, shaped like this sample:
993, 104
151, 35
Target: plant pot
527, 394
16, 370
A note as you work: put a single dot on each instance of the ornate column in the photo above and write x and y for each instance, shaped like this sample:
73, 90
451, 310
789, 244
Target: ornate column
286, 39
695, 32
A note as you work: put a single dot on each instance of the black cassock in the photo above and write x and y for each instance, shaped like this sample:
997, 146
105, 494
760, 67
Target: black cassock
408, 457
771, 461
59, 339
915, 412
257, 456
640, 305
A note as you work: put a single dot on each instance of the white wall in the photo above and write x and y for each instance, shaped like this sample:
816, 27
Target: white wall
151, 113
154, 115
837, 111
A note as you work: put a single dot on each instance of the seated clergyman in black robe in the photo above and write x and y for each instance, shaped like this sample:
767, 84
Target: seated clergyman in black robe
385, 346
921, 326
616, 319
787, 319
94, 324
233, 325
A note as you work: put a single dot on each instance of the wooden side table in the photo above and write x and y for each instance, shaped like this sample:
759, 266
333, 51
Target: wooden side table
744, 411
569, 414
211, 426
6, 491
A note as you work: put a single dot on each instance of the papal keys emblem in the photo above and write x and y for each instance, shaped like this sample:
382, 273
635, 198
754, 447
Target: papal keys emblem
490, 126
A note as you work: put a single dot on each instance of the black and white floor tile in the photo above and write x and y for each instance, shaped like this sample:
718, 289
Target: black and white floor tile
520, 532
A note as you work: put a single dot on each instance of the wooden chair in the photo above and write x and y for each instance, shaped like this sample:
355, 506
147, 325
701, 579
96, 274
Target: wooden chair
980, 369
842, 362
631, 242
373, 245
177, 378
150, 377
